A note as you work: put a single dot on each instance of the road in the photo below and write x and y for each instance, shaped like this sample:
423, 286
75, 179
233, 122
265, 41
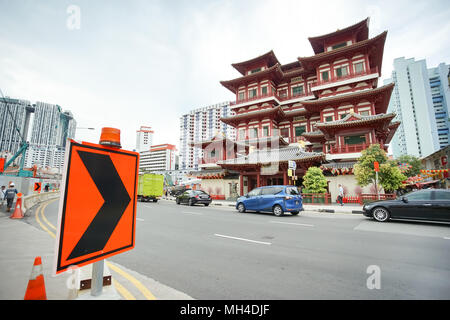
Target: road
217, 253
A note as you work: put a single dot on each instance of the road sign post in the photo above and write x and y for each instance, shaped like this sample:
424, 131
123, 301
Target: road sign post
97, 208
376, 167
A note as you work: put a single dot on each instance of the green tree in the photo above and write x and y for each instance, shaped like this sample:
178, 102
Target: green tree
414, 162
314, 181
389, 176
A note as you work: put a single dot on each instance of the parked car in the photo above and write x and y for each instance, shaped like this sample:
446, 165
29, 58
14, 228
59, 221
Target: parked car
275, 199
429, 204
192, 197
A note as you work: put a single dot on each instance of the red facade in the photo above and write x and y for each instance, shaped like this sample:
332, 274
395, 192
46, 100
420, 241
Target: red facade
330, 101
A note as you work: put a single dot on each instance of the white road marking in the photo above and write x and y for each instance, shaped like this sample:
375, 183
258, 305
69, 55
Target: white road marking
242, 239
139, 219
188, 212
447, 238
297, 224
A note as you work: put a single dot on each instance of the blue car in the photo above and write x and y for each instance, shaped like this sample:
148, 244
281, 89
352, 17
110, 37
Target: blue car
276, 199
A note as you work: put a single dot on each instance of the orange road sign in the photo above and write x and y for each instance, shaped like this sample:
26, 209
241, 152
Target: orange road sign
37, 186
97, 208
376, 166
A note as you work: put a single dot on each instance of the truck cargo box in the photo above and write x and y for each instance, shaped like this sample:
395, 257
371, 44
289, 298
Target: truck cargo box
150, 187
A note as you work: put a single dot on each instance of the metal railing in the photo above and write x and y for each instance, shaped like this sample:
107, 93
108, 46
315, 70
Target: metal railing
352, 148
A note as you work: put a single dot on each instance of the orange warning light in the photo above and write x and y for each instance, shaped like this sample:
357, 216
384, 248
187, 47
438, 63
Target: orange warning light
110, 137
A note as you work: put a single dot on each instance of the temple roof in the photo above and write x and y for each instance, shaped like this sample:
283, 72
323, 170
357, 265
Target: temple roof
269, 57
268, 156
276, 112
361, 29
354, 118
374, 46
380, 96
273, 71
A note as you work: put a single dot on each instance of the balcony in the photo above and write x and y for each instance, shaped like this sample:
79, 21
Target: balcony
352, 148
268, 96
351, 77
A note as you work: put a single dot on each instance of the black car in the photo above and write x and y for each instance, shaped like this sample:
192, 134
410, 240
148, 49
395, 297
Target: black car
192, 197
429, 204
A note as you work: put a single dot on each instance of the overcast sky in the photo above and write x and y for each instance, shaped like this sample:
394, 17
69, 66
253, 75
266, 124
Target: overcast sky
133, 63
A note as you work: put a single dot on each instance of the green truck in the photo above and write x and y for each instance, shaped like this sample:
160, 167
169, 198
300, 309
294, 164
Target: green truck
150, 187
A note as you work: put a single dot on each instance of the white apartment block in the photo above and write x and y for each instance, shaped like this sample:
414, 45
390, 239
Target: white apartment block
412, 102
200, 125
157, 158
144, 138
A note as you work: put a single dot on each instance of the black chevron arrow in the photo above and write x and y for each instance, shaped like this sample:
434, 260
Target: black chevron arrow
108, 182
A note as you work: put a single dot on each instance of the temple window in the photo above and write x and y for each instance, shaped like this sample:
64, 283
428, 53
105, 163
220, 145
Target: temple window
283, 93
297, 91
285, 132
339, 45
357, 139
341, 72
266, 131
329, 118
241, 96
358, 67
264, 91
325, 75
252, 93
365, 113
212, 154
300, 130
255, 70
254, 133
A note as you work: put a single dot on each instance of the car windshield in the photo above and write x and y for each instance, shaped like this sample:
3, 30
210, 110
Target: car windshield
199, 192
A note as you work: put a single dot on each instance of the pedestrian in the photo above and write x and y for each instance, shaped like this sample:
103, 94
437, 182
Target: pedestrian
10, 194
46, 188
2, 196
341, 195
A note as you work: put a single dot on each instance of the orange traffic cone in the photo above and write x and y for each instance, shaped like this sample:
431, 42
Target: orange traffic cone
18, 213
36, 285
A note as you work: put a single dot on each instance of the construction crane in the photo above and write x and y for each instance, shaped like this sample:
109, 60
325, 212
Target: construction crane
22, 149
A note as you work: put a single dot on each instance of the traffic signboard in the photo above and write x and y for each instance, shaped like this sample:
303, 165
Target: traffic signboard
37, 186
97, 209
292, 165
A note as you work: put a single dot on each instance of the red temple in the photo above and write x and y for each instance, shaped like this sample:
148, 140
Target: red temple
321, 110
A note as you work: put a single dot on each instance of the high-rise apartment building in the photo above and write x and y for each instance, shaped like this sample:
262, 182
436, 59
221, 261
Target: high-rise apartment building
14, 122
157, 158
144, 138
51, 127
413, 104
199, 125
440, 95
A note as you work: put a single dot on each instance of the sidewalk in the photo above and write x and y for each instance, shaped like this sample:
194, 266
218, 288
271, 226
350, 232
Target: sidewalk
330, 208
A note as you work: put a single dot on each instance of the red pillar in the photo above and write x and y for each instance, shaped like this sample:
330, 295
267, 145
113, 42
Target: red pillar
285, 177
258, 179
241, 184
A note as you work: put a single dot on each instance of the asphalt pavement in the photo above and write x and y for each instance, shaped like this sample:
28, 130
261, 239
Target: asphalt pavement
216, 253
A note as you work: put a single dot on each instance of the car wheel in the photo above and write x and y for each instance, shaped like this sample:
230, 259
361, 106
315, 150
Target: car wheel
178, 201
380, 214
206, 204
294, 213
241, 208
191, 203
277, 210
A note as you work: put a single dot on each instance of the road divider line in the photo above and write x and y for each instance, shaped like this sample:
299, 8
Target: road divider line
147, 294
139, 219
44, 217
293, 223
447, 238
242, 239
123, 291
39, 209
